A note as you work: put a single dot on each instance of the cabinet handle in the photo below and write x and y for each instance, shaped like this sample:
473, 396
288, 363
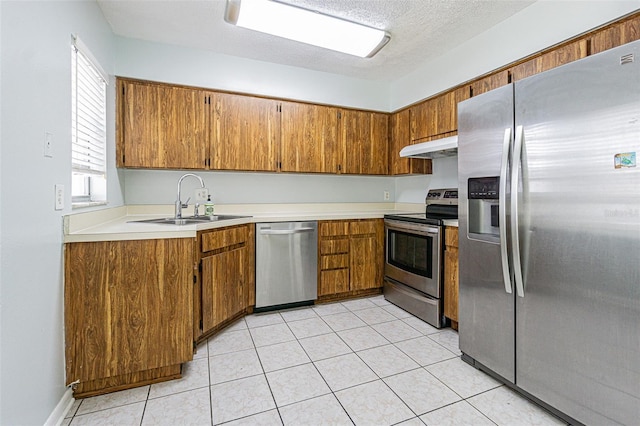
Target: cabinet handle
268, 231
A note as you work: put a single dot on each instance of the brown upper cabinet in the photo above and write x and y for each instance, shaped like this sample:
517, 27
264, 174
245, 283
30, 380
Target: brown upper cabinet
245, 133
399, 137
364, 142
437, 117
162, 126
615, 35
559, 56
309, 140
490, 82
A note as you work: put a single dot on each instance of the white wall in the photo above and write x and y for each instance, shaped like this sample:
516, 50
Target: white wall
413, 189
159, 187
535, 28
35, 81
195, 67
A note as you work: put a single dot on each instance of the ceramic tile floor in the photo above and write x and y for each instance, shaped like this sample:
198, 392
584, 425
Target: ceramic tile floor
363, 362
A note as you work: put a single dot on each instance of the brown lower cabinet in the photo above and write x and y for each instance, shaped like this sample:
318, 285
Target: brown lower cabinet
226, 284
451, 275
350, 260
128, 308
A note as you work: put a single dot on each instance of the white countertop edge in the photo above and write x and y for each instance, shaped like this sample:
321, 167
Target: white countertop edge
450, 222
115, 224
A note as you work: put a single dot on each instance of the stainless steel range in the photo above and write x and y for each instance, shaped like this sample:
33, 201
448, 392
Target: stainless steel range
414, 256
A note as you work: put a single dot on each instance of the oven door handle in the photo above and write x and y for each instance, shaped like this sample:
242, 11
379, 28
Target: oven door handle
420, 229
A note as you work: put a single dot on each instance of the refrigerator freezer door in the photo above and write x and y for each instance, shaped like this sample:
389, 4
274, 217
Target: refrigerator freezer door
578, 324
486, 314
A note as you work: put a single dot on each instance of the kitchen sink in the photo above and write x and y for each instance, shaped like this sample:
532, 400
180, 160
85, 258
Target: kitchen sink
191, 220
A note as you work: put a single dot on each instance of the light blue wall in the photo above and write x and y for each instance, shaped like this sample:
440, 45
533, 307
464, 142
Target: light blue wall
35, 82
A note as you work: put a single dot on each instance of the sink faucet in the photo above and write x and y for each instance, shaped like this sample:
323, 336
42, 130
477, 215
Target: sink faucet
179, 205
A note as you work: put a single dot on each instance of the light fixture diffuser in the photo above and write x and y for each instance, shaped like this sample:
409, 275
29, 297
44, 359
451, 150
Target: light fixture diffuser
306, 26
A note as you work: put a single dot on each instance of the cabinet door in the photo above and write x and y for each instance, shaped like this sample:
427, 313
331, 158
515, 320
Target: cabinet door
223, 287
559, 56
366, 254
128, 306
490, 82
309, 138
424, 120
399, 137
615, 35
162, 126
451, 274
365, 146
245, 133
447, 108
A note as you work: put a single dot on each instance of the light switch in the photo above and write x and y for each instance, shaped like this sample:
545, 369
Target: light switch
59, 193
48, 144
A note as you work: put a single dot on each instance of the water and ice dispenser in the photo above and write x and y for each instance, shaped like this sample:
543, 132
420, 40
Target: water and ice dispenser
483, 208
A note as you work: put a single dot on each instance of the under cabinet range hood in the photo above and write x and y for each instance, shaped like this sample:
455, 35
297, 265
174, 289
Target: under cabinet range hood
439, 148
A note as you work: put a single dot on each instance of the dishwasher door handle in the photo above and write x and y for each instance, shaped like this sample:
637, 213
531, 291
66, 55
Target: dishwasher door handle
268, 231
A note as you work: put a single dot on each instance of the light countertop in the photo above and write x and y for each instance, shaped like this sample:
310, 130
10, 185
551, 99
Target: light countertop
119, 223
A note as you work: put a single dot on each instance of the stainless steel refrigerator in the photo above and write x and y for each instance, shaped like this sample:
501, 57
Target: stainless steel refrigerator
549, 213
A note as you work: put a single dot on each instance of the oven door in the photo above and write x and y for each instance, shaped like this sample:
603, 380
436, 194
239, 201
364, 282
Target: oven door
412, 255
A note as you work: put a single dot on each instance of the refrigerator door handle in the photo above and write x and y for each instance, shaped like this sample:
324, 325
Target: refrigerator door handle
502, 211
515, 237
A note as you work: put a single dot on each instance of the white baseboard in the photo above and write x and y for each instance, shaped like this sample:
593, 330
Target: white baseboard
59, 413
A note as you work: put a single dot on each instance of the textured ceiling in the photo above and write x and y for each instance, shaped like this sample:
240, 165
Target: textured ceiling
420, 30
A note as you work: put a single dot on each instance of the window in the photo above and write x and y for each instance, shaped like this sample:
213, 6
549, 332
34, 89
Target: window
88, 128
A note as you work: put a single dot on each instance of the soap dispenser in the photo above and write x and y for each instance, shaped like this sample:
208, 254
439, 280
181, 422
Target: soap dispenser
208, 207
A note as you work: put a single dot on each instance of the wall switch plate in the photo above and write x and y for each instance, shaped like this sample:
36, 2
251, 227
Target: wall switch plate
59, 194
48, 144
201, 194
386, 195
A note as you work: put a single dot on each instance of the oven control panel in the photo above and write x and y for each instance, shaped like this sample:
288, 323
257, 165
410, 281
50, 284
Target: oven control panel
442, 196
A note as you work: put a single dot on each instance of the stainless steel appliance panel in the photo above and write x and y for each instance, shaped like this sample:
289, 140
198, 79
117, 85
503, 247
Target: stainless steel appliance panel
286, 263
426, 308
578, 337
486, 310
413, 255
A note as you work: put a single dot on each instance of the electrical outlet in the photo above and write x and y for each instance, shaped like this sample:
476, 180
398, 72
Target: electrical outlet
59, 194
48, 145
386, 195
201, 194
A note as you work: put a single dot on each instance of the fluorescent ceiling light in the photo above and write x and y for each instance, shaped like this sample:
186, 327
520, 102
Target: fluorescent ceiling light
306, 26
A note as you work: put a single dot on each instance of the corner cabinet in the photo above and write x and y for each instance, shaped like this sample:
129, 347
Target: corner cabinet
365, 137
128, 312
451, 275
226, 285
399, 137
350, 261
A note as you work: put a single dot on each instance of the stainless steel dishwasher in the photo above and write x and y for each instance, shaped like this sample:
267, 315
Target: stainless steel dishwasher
286, 264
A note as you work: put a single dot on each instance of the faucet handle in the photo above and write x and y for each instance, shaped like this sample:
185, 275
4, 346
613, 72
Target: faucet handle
186, 203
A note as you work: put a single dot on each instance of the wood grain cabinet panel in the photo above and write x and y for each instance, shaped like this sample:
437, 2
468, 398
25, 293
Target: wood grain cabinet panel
162, 127
365, 137
309, 138
399, 137
245, 133
615, 35
351, 257
437, 117
490, 82
562, 55
128, 310
451, 275
227, 276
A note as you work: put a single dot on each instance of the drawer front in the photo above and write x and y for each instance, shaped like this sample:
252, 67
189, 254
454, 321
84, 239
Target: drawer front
334, 227
217, 239
338, 246
334, 261
334, 282
360, 227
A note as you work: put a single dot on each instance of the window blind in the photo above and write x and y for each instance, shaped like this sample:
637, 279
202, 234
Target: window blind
88, 148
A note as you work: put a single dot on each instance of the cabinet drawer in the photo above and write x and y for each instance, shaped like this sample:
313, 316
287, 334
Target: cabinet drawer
218, 239
333, 228
338, 246
361, 227
334, 282
334, 261
451, 236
